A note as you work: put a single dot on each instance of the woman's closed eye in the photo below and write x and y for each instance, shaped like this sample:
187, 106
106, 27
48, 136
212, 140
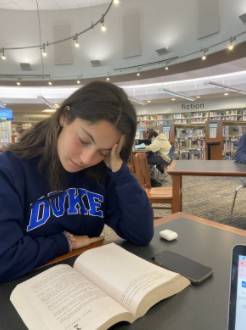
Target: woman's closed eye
83, 142
102, 154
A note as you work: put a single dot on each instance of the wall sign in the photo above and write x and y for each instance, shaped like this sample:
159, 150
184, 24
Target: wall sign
193, 106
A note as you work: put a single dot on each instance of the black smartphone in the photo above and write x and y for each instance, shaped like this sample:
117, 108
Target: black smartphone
194, 271
237, 304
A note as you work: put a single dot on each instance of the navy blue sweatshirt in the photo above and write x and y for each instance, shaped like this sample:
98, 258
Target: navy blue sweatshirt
240, 155
32, 222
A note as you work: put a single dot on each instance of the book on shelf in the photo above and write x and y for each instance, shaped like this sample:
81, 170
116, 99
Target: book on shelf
106, 285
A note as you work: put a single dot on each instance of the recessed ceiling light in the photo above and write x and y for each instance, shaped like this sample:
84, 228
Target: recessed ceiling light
148, 101
226, 94
107, 78
198, 97
78, 81
49, 110
173, 99
138, 74
18, 83
204, 57
50, 83
4, 104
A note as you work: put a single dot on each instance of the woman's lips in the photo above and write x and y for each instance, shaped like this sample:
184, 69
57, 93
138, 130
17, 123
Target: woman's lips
76, 165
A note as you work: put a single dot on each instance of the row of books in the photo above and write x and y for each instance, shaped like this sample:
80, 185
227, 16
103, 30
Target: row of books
199, 120
196, 154
139, 118
196, 132
200, 114
179, 115
189, 144
230, 145
225, 113
233, 130
164, 116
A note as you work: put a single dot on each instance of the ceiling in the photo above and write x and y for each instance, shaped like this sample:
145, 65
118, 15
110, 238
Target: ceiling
172, 24
162, 23
49, 4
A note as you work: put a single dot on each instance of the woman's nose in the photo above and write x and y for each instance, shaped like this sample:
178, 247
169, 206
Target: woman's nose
86, 156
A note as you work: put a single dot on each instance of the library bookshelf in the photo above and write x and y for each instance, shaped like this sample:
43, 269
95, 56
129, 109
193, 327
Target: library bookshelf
214, 140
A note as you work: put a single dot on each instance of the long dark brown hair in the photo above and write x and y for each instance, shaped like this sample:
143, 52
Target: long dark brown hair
93, 102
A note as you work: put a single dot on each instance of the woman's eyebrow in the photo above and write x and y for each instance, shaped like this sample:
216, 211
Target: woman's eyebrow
93, 139
89, 135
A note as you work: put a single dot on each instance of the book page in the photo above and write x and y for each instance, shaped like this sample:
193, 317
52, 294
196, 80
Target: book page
122, 275
66, 300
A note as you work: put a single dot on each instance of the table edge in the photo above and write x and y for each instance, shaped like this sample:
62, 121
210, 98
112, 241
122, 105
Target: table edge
115, 237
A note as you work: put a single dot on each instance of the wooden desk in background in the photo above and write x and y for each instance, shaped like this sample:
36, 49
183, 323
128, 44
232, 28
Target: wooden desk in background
178, 168
200, 307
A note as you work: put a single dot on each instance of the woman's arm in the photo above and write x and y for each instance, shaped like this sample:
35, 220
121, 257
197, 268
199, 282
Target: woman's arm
20, 253
128, 211
154, 146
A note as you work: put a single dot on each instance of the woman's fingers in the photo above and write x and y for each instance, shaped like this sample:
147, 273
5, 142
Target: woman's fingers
121, 143
82, 241
96, 239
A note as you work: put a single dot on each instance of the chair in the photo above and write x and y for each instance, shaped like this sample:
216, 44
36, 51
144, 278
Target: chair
156, 195
236, 191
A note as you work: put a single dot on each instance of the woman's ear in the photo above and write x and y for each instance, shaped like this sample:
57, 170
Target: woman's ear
63, 116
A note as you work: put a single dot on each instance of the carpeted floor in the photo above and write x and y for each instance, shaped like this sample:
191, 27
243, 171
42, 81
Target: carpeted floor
209, 198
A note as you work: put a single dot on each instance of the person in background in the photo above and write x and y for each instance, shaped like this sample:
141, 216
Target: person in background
161, 146
67, 178
19, 133
240, 155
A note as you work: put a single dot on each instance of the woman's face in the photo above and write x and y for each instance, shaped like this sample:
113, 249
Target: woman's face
82, 144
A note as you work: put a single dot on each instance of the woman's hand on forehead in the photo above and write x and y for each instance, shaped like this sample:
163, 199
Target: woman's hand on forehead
113, 159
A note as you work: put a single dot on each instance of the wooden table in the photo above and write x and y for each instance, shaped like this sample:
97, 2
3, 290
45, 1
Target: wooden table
114, 237
197, 307
178, 168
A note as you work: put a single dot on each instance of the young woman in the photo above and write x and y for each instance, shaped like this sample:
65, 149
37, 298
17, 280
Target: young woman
67, 177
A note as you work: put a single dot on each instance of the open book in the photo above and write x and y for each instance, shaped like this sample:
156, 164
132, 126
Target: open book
107, 285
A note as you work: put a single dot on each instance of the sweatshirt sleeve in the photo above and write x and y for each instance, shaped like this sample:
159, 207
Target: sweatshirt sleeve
240, 155
20, 253
128, 211
154, 147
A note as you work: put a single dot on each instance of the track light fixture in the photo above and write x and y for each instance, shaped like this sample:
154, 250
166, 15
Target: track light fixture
230, 47
18, 82
108, 79
3, 56
103, 28
229, 88
78, 81
166, 67
164, 90
44, 52
50, 83
136, 100
204, 53
76, 41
